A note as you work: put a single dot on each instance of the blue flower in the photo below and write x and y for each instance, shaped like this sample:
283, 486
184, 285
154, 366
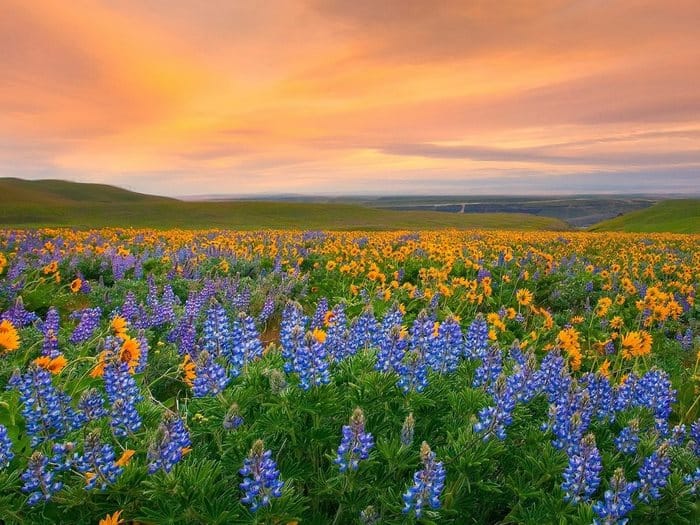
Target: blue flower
49, 329
582, 475
211, 378
172, 441
311, 363
477, 338
427, 484
653, 474
617, 502
448, 347
261, 480
233, 418
123, 394
628, 440
46, 410
88, 322
6, 454
355, 444
493, 420
39, 479
97, 463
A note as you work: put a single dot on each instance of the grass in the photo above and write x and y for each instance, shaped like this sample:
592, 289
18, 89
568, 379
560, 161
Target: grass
25, 204
678, 216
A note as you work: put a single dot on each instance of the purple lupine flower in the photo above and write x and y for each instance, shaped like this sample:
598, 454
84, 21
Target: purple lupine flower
245, 344
490, 368
91, 404
628, 440
319, 314
355, 444
408, 429
46, 410
261, 480
216, 332
477, 338
49, 328
62, 460
554, 376
311, 363
617, 502
123, 394
427, 484
171, 443
233, 418
677, 436
693, 479
653, 474
654, 391
392, 349
694, 442
211, 377
97, 463
582, 475
413, 368
337, 334
447, 347
39, 479
268, 308
292, 329
685, 339
364, 331
88, 322
6, 454
18, 315
144, 349
493, 420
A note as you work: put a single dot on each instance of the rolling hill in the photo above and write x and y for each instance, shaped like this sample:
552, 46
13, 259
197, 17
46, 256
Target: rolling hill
60, 203
677, 216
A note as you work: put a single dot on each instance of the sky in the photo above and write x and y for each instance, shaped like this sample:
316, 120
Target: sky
353, 97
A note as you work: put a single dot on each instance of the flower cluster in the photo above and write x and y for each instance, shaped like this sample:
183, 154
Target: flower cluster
427, 484
355, 444
171, 444
261, 480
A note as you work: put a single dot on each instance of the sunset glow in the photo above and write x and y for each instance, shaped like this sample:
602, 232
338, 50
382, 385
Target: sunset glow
331, 96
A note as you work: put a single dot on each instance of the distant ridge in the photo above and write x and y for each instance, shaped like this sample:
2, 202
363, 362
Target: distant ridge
56, 192
53, 203
674, 216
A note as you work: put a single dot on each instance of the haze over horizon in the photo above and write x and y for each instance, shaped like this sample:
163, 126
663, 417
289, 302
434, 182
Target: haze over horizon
328, 97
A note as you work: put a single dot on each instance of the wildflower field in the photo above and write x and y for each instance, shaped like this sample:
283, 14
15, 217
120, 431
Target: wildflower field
349, 377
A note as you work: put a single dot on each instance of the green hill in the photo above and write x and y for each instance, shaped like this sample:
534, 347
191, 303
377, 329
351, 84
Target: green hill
675, 216
59, 203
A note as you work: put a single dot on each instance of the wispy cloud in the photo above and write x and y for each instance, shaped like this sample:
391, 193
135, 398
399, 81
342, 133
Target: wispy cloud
182, 97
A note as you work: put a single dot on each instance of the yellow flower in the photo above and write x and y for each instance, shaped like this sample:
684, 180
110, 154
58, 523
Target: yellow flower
54, 365
125, 458
524, 297
111, 519
119, 326
9, 338
189, 370
604, 369
636, 344
75, 285
130, 353
319, 335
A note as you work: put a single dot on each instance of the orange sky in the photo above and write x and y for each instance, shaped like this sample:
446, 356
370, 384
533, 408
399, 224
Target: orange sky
363, 96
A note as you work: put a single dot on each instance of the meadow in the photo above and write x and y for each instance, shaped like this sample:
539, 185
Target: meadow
319, 377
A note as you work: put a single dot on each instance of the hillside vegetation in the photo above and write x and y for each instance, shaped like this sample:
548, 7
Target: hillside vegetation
60, 203
677, 216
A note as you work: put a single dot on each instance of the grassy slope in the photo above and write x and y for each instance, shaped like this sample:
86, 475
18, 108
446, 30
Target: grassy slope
59, 203
677, 216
